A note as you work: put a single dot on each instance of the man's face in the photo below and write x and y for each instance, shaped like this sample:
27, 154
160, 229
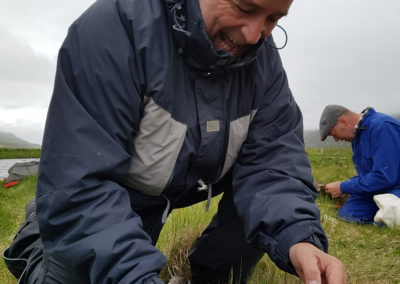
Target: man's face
342, 131
235, 25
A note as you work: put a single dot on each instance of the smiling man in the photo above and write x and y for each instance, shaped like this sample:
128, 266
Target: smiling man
159, 105
375, 140
237, 25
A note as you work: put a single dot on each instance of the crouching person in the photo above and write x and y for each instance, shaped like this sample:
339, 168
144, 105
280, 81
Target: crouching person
375, 141
159, 105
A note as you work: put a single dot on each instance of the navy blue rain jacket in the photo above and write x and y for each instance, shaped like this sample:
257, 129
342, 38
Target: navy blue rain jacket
142, 104
376, 151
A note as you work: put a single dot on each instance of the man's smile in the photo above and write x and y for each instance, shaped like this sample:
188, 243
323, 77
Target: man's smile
229, 44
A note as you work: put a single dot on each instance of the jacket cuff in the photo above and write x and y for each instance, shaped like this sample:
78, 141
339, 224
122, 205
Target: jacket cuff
286, 239
345, 187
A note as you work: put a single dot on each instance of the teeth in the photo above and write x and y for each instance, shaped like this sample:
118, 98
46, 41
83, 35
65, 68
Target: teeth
229, 43
234, 41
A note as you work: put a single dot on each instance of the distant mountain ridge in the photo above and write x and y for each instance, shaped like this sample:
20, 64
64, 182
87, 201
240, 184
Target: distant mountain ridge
313, 140
9, 140
397, 116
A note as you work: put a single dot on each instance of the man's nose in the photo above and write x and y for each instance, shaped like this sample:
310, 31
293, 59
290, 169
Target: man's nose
254, 29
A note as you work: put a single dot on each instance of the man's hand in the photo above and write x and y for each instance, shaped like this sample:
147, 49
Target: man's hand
315, 266
333, 189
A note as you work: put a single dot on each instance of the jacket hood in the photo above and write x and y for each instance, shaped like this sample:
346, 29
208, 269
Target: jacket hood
193, 42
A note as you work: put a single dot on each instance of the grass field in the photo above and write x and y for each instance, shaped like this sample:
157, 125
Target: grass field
12, 153
370, 254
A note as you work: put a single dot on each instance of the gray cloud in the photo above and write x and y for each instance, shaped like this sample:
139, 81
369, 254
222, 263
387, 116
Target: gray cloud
31, 33
339, 51
343, 52
19, 62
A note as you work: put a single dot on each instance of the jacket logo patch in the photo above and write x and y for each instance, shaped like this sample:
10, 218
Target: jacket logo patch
212, 125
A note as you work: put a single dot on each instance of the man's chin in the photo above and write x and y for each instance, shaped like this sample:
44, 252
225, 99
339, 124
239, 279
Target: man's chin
234, 52
238, 54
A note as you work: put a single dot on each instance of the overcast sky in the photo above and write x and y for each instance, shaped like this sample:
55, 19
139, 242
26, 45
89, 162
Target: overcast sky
339, 51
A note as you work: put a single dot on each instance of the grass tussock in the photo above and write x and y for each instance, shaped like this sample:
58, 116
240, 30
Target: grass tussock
181, 230
370, 254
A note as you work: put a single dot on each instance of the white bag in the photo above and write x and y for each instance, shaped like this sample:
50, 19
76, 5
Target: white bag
389, 209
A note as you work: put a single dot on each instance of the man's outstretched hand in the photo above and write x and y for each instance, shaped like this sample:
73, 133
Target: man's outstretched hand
333, 189
315, 266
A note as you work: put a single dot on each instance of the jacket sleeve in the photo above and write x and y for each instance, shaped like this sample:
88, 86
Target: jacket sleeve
85, 218
273, 186
384, 173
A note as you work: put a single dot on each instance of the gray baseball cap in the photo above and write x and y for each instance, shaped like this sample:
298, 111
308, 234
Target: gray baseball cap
329, 117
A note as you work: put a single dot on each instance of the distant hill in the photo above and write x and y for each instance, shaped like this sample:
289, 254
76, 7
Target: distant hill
312, 140
9, 140
397, 116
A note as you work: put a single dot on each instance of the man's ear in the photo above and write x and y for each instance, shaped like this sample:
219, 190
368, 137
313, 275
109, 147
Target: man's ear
342, 119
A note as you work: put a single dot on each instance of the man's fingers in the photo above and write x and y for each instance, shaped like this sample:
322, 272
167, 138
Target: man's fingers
312, 274
331, 269
328, 189
316, 267
304, 260
334, 272
309, 272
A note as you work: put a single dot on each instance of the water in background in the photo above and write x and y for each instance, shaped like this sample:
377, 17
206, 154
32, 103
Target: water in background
5, 164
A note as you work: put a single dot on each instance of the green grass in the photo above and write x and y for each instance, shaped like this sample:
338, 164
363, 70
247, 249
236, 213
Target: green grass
330, 165
12, 212
11, 153
370, 254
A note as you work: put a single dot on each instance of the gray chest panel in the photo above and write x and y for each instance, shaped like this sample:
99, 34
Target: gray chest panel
155, 150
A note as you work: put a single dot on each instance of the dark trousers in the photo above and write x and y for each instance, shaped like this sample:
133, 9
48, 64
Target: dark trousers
219, 255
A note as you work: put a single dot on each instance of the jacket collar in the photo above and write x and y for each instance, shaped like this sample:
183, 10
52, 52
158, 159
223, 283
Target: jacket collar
361, 123
192, 40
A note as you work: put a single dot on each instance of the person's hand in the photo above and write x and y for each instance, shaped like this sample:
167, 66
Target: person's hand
333, 189
315, 266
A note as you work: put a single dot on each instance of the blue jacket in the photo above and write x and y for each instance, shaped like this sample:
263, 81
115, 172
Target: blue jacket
376, 149
143, 102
